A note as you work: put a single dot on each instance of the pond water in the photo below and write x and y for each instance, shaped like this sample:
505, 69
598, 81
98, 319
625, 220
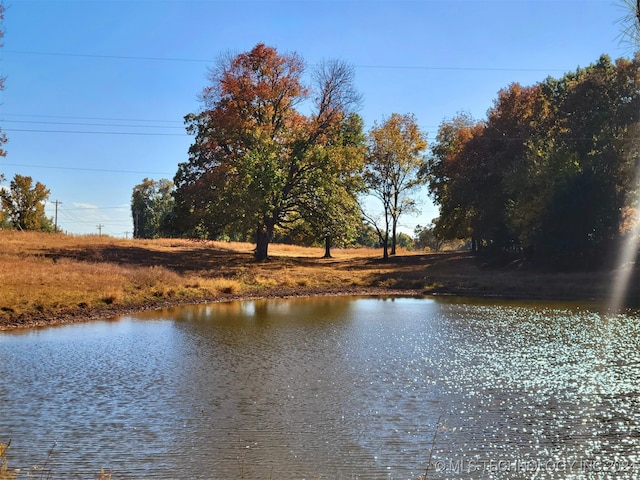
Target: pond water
328, 388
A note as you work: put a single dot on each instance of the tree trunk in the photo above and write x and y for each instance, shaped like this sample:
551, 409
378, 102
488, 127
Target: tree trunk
327, 247
263, 237
385, 237
393, 236
385, 246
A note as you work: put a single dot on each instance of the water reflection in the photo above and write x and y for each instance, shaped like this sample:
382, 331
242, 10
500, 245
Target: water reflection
307, 401
329, 388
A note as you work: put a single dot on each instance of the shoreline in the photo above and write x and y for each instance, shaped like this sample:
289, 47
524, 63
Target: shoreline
72, 316
83, 315
55, 279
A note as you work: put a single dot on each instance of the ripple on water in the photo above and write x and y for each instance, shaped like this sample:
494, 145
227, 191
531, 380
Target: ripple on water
548, 385
336, 388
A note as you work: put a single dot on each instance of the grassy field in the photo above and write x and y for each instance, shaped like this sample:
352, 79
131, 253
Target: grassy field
50, 278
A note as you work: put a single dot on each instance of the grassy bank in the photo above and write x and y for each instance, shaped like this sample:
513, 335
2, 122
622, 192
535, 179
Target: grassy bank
47, 278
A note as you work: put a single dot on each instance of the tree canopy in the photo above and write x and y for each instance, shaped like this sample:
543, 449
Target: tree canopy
152, 208
550, 170
394, 160
24, 202
258, 161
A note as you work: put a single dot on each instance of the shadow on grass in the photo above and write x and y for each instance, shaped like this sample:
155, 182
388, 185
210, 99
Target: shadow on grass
180, 260
459, 273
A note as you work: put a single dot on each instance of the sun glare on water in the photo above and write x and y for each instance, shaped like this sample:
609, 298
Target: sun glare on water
626, 263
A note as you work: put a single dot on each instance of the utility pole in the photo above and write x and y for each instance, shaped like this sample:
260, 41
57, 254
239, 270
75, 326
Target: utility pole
126, 235
56, 203
99, 227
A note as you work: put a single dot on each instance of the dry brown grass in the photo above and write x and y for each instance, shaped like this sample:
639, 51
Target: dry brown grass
52, 274
48, 276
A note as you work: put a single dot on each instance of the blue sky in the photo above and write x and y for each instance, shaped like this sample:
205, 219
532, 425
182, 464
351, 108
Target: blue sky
96, 90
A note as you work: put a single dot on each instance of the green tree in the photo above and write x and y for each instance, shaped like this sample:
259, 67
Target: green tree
256, 156
426, 238
23, 204
366, 236
405, 241
598, 108
393, 164
204, 199
152, 208
330, 205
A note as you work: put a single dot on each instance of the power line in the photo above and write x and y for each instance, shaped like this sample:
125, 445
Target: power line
147, 134
110, 57
177, 125
462, 69
89, 209
86, 169
180, 126
88, 218
70, 218
73, 219
40, 122
196, 60
57, 203
91, 118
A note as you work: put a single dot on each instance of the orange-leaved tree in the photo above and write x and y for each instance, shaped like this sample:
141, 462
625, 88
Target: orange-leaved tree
255, 158
450, 175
